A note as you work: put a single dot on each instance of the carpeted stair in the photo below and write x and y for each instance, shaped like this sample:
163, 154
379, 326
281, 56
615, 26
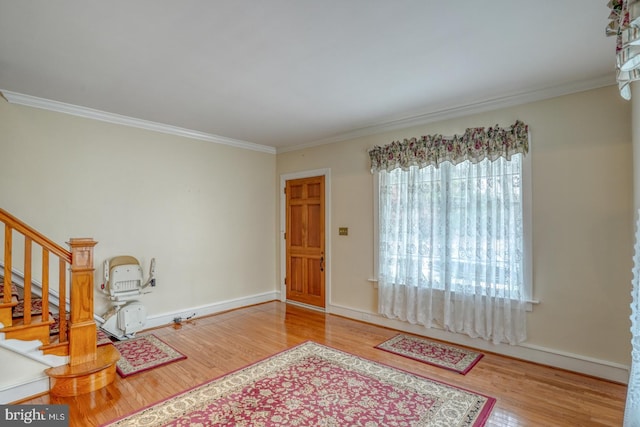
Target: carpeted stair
36, 310
102, 338
18, 309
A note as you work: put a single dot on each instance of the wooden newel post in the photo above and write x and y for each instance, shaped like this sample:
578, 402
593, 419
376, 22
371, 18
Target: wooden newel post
82, 326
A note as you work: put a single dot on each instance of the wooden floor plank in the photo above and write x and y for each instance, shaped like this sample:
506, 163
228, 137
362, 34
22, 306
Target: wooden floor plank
527, 394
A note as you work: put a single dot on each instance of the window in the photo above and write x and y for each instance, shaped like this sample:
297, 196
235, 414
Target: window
454, 233
455, 226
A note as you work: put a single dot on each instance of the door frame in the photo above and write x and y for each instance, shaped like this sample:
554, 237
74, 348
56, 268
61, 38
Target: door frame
327, 231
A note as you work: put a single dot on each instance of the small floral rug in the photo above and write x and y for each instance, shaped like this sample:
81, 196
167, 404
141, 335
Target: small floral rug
315, 385
143, 353
102, 338
434, 353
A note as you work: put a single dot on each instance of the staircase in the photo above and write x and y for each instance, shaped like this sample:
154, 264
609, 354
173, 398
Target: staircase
70, 359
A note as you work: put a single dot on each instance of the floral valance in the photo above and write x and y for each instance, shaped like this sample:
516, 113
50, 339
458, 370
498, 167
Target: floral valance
475, 145
624, 24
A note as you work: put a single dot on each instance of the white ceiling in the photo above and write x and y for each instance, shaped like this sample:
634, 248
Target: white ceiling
287, 73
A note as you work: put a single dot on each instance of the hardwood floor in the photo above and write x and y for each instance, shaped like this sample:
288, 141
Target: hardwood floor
527, 394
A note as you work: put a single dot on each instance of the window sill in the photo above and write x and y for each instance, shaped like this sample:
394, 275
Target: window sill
529, 306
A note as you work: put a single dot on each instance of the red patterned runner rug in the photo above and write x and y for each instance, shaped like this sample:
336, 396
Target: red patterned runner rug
434, 353
54, 329
14, 290
101, 337
143, 353
36, 308
313, 385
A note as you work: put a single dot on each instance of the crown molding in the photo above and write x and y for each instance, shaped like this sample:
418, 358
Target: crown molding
418, 119
90, 113
462, 110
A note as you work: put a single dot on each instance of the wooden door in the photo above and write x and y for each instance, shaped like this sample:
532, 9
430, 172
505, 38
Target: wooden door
304, 236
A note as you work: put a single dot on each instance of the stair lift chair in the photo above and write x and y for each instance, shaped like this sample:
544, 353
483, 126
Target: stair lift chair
124, 284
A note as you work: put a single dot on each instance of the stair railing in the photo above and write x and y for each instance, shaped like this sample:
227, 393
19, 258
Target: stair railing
79, 338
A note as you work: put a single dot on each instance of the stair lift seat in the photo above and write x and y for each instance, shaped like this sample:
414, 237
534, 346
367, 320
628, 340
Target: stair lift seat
124, 284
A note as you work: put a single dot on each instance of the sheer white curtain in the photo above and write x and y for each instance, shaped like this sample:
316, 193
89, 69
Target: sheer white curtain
632, 409
451, 234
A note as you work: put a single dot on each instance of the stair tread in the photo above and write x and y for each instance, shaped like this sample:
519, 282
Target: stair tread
106, 356
36, 307
18, 323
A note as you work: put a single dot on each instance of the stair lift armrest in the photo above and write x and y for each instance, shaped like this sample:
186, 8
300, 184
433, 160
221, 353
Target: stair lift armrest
151, 281
105, 277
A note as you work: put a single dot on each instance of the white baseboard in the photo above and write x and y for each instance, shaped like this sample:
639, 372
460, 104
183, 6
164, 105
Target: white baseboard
533, 353
21, 377
205, 310
25, 390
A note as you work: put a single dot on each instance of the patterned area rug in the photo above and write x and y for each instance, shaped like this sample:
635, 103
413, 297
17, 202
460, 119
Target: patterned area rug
434, 353
143, 353
314, 385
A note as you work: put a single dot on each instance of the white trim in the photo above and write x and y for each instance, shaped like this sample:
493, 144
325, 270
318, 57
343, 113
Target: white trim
529, 352
208, 309
416, 119
33, 387
90, 113
527, 226
327, 228
376, 228
32, 382
307, 306
461, 111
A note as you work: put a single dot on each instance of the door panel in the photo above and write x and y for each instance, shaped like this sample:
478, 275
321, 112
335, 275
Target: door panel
315, 239
305, 241
296, 279
296, 234
314, 285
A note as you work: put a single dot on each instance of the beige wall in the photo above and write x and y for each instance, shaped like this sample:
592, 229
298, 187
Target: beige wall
581, 155
214, 229
205, 211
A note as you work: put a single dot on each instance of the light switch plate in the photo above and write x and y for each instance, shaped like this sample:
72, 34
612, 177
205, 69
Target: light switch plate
343, 231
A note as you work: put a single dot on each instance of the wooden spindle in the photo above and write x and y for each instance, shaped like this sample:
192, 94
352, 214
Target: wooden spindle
45, 285
8, 245
62, 311
27, 281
